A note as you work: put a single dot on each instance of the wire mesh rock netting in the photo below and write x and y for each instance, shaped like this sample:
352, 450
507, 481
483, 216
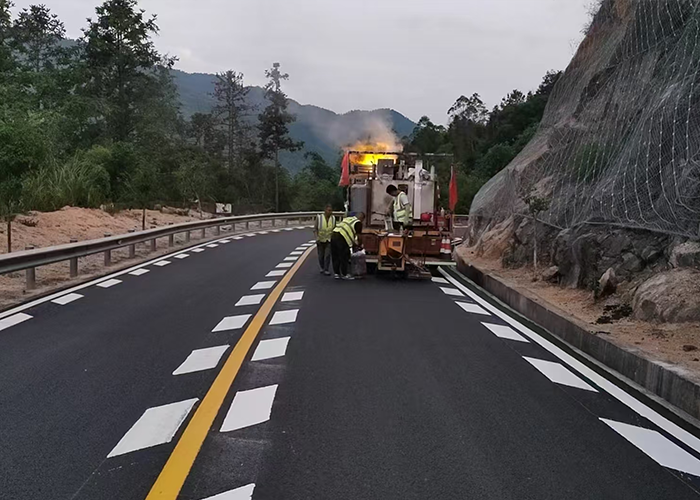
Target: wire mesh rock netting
620, 140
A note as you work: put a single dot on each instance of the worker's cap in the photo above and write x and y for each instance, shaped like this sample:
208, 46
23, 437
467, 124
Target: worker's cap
391, 188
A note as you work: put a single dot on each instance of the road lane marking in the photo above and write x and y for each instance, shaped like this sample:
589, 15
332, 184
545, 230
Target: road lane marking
505, 332
284, 317
243, 493
232, 323
182, 256
307, 245
285, 265
300, 249
262, 232
289, 229
452, 292
109, 283
13, 320
442, 281
250, 300
296, 252
249, 235
275, 230
291, 258
212, 245
202, 359
558, 374
224, 242
263, 285
656, 446
238, 238
602, 382
198, 250
67, 299
269, 349
173, 475
276, 273
139, 272
156, 426
162, 263
292, 296
249, 408
472, 308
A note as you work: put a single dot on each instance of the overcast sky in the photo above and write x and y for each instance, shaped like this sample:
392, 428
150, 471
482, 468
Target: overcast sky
416, 56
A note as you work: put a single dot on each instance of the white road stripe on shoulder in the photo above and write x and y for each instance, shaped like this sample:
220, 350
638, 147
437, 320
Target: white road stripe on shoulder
213, 245
243, 493
198, 250
238, 238
182, 256
631, 402
269, 349
162, 263
505, 332
291, 258
249, 235
156, 426
250, 300
278, 272
275, 230
442, 281
292, 296
263, 285
13, 320
67, 299
473, 308
452, 292
289, 229
249, 408
109, 283
201, 359
232, 323
297, 252
139, 272
660, 449
284, 265
224, 242
262, 232
558, 374
284, 317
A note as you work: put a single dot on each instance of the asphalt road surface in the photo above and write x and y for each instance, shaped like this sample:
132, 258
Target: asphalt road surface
234, 370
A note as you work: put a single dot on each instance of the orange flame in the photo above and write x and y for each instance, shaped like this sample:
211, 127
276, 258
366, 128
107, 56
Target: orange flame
372, 159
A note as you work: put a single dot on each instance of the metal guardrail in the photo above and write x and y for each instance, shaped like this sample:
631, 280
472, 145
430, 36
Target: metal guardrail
29, 260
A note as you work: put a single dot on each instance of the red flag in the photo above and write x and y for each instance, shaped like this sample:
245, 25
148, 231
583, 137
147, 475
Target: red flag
345, 175
454, 196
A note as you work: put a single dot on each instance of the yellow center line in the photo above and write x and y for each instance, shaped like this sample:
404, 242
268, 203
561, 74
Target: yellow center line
176, 469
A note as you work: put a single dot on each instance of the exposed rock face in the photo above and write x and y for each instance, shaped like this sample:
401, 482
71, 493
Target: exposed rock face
686, 255
670, 296
607, 284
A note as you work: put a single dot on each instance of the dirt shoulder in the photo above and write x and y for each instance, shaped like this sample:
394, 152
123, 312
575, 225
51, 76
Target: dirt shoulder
663, 342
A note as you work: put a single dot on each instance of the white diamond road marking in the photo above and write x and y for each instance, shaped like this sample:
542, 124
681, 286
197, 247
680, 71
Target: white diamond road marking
307, 245
660, 449
225, 241
162, 263
263, 285
109, 283
181, 256
505, 332
250, 235
250, 300
13, 320
249, 408
453, 292
292, 296
268, 349
442, 281
291, 259
284, 317
302, 249
67, 299
273, 274
156, 426
213, 245
238, 237
558, 374
243, 493
201, 359
297, 252
285, 265
139, 272
232, 323
472, 308
198, 250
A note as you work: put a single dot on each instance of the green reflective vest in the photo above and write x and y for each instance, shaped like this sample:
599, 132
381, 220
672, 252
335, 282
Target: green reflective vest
403, 212
346, 227
325, 228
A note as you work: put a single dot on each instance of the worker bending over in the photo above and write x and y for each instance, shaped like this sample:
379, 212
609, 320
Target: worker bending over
401, 209
345, 237
323, 229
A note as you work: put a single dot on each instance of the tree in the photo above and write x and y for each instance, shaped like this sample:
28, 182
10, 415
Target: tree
36, 36
230, 110
194, 177
273, 124
144, 186
427, 137
469, 109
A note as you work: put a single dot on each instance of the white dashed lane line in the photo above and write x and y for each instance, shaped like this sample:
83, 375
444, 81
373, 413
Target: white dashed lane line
297, 252
472, 308
197, 250
263, 285
250, 300
276, 273
269, 349
162, 263
285, 265
262, 232
232, 323
238, 238
201, 359
213, 245
156, 426
505, 332
13, 320
284, 317
243, 493
109, 283
292, 258
441, 281
249, 408
249, 235
559, 374
182, 256
225, 242
292, 296
452, 292
139, 272
67, 299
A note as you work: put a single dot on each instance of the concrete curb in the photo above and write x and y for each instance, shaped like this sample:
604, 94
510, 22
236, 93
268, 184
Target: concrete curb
657, 379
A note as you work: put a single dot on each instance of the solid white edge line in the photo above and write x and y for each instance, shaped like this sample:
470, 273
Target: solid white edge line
242, 493
631, 402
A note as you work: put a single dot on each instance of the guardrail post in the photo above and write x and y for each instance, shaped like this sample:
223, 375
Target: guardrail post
153, 245
218, 230
30, 273
204, 233
247, 225
286, 222
132, 248
188, 236
171, 240
74, 262
108, 253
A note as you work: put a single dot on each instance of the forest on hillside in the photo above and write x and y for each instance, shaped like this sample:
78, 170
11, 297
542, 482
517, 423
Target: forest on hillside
98, 123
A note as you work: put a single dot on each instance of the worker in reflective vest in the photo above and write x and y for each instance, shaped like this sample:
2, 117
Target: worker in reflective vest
345, 237
402, 211
325, 223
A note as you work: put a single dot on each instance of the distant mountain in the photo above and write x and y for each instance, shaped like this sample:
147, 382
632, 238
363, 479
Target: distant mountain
321, 130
